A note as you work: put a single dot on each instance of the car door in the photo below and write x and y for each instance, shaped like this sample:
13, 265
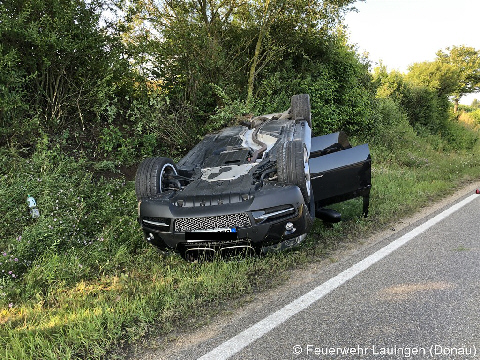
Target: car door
338, 171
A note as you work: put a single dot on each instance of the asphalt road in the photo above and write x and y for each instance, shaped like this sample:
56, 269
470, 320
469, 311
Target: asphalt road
412, 295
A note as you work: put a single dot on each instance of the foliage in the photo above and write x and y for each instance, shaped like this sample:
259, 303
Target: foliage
152, 124
421, 98
12, 93
78, 99
425, 108
476, 116
150, 82
455, 72
65, 68
80, 214
459, 136
441, 77
234, 42
231, 112
466, 62
337, 80
265, 17
392, 131
469, 116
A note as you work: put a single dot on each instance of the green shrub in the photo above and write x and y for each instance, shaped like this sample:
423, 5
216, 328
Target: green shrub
475, 115
337, 80
391, 129
61, 69
82, 217
425, 108
459, 136
230, 112
14, 126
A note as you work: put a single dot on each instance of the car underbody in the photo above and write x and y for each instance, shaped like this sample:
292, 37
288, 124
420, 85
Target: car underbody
251, 186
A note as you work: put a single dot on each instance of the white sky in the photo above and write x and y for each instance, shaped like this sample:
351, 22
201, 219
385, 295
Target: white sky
402, 32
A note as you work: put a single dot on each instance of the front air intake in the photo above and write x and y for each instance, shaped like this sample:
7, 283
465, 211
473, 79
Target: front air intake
207, 223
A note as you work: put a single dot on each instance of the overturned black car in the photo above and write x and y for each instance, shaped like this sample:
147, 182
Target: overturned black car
250, 186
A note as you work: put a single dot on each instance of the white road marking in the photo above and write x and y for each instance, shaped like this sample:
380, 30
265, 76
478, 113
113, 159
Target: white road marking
256, 331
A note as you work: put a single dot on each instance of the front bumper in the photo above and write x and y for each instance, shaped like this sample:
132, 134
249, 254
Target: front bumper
269, 216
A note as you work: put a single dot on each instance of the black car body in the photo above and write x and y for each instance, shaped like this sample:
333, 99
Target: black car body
250, 186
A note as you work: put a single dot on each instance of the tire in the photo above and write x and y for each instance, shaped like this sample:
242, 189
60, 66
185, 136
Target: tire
292, 167
150, 178
301, 109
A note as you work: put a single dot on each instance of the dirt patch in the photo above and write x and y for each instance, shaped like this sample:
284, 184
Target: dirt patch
408, 291
119, 172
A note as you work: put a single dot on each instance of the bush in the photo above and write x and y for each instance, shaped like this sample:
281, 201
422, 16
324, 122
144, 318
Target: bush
59, 70
85, 220
475, 116
13, 127
391, 129
459, 136
424, 107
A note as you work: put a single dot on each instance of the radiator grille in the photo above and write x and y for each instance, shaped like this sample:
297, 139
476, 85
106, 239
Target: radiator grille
212, 222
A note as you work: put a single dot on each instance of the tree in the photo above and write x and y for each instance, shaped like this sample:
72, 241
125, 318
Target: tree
222, 42
300, 15
466, 62
416, 95
439, 76
65, 64
186, 45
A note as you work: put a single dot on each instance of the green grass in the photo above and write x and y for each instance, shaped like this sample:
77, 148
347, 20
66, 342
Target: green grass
86, 283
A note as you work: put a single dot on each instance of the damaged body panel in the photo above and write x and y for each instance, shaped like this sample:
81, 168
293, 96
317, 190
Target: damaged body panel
338, 171
250, 186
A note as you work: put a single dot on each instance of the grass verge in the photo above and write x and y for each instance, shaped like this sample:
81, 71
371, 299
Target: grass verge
79, 282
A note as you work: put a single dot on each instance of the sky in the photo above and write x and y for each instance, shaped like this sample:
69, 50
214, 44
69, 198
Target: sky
402, 32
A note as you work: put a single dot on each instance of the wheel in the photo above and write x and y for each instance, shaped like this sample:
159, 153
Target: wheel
300, 107
293, 168
152, 176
